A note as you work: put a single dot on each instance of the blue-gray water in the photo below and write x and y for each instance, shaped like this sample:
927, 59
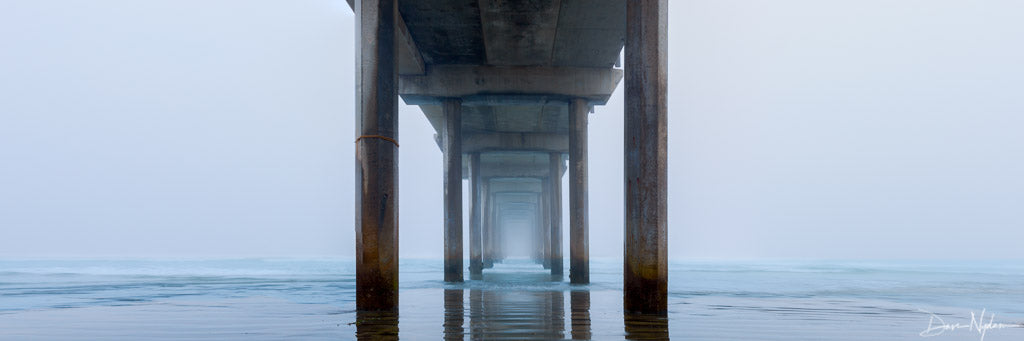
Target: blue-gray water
314, 300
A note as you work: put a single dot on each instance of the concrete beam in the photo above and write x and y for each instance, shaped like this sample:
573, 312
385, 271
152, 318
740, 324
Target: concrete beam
509, 171
485, 84
514, 171
541, 142
410, 61
376, 194
502, 187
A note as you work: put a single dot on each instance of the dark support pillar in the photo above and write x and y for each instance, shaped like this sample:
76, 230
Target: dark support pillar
376, 157
579, 230
478, 196
453, 190
488, 230
555, 178
545, 200
538, 231
646, 152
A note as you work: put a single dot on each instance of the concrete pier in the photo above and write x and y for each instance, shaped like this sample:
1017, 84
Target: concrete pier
579, 230
646, 158
509, 88
453, 190
376, 157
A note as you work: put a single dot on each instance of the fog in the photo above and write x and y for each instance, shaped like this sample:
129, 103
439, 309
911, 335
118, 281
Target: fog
798, 129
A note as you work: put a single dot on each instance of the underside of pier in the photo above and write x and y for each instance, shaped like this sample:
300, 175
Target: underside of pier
508, 87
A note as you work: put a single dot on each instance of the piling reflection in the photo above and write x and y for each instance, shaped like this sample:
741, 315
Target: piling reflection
454, 314
496, 314
376, 325
579, 304
510, 310
646, 327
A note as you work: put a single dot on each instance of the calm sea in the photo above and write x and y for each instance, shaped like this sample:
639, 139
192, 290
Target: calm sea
261, 299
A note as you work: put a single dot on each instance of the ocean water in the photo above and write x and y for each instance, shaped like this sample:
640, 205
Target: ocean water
278, 299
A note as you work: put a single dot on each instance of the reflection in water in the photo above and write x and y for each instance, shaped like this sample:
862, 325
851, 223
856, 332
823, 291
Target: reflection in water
646, 327
496, 314
453, 314
514, 306
579, 302
377, 325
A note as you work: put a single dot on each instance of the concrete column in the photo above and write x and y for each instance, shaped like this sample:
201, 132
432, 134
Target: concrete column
646, 154
545, 204
538, 231
579, 230
476, 216
488, 228
492, 235
376, 157
452, 190
555, 204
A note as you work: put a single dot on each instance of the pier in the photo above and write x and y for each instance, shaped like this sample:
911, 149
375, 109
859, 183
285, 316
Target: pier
508, 87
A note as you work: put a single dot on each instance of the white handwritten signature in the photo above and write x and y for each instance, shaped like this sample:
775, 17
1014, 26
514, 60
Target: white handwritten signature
936, 326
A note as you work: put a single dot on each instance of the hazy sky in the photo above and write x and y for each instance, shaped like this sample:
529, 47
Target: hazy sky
798, 128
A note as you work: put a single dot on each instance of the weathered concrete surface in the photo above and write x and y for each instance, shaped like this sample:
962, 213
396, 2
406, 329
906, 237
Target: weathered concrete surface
376, 158
556, 212
590, 33
446, 31
585, 33
646, 158
477, 190
579, 230
519, 32
466, 81
453, 191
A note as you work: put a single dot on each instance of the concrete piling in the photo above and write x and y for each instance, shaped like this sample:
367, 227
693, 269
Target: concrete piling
579, 230
646, 154
546, 222
376, 194
555, 204
487, 234
453, 190
477, 192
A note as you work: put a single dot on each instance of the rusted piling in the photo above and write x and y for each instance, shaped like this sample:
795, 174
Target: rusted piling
646, 154
376, 157
452, 190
